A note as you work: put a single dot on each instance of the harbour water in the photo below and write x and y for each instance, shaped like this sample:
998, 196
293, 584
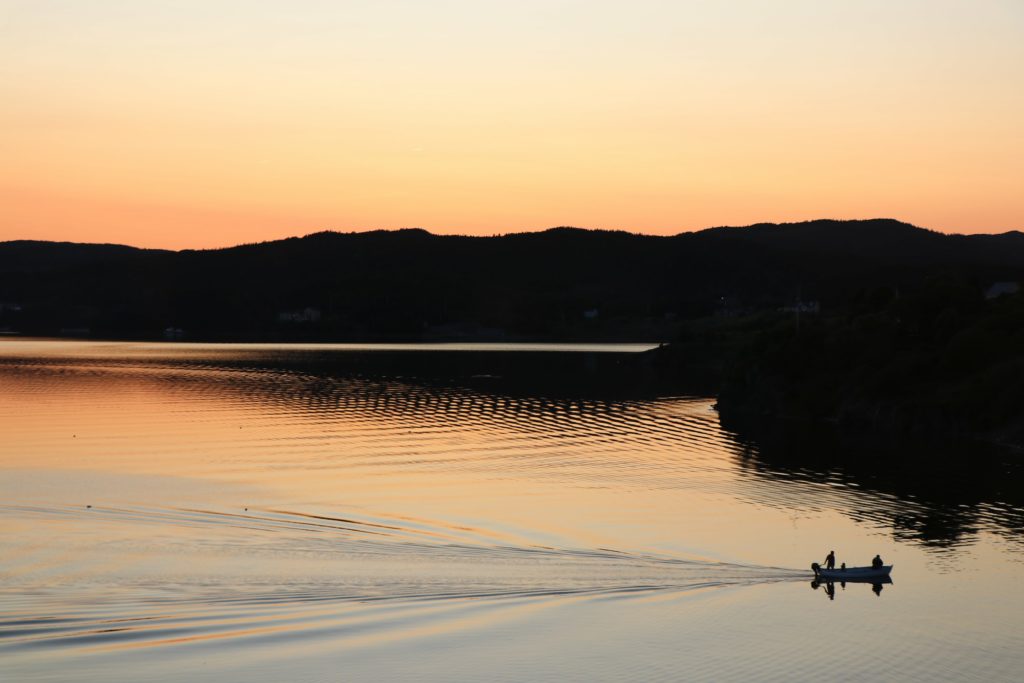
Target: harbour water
258, 512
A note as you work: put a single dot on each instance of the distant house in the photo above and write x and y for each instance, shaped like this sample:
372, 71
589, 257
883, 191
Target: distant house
306, 315
998, 289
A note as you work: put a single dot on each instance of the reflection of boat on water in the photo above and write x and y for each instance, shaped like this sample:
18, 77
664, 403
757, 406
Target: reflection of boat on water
877, 582
876, 576
853, 574
865, 579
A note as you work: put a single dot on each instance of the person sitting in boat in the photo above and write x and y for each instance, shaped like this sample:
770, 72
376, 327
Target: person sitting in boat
830, 560
877, 562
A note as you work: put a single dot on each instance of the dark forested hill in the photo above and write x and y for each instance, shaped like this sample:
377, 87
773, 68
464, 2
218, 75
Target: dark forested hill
30, 256
563, 283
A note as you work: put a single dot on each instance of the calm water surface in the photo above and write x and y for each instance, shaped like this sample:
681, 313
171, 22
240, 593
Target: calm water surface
264, 513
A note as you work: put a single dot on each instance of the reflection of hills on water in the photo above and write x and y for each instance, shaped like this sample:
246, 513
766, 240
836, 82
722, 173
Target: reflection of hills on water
368, 410
584, 417
557, 373
938, 494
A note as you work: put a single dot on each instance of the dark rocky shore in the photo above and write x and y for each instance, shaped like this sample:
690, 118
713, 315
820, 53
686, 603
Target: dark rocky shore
939, 361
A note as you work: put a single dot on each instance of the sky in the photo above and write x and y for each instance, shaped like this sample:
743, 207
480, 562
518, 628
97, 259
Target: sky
205, 123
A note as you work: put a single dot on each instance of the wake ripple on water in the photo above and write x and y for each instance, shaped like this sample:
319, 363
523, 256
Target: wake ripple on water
130, 577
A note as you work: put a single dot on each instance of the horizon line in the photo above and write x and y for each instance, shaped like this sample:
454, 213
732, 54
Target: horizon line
523, 232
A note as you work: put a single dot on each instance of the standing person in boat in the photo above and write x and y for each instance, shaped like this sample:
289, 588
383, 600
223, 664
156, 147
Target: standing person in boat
830, 560
877, 562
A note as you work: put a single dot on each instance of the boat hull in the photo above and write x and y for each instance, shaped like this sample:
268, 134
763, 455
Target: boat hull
854, 573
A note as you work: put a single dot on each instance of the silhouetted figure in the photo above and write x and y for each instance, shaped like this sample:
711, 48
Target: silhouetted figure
830, 560
876, 588
877, 562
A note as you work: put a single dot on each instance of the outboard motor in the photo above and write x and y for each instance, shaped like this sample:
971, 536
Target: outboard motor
815, 567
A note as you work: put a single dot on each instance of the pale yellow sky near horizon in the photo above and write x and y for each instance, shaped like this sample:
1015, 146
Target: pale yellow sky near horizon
192, 123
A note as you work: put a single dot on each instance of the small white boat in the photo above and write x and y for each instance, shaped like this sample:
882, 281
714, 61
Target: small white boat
851, 573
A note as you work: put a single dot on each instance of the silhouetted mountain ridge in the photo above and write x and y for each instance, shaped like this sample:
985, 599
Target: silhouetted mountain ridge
33, 255
561, 283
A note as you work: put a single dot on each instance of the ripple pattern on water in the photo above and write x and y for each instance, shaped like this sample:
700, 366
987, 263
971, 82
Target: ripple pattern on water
327, 571
233, 510
260, 419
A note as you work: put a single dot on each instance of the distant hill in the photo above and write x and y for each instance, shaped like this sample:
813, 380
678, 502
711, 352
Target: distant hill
563, 283
27, 256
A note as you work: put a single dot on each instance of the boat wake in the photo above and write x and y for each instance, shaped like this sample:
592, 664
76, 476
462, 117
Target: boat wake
131, 577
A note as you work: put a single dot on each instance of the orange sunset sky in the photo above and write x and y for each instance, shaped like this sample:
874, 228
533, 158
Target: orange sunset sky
203, 123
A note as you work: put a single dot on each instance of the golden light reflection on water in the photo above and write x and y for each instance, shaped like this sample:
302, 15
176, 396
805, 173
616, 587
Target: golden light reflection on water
367, 444
227, 498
